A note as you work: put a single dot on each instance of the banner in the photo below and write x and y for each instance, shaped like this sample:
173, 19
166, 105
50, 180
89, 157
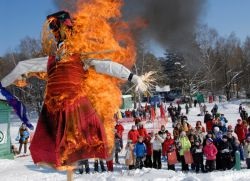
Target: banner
3, 133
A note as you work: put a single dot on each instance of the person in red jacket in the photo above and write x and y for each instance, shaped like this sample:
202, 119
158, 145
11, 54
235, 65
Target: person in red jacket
168, 146
142, 131
148, 162
119, 127
133, 135
240, 130
210, 151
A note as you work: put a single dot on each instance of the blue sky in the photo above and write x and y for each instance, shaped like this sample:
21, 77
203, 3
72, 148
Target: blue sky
228, 16
22, 18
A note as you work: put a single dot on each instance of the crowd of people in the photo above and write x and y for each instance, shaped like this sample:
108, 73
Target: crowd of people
211, 142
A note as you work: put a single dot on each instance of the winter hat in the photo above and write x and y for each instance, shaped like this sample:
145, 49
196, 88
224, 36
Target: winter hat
168, 134
210, 140
183, 133
216, 129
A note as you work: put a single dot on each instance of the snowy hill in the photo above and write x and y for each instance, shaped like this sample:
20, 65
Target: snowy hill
23, 168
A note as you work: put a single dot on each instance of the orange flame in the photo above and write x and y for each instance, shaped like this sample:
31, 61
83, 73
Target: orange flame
98, 27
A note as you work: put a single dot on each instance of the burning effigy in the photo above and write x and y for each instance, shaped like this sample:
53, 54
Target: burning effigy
94, 50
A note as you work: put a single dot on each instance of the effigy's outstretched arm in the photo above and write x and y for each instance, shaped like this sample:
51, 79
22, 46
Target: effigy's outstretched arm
116, 70
24, 67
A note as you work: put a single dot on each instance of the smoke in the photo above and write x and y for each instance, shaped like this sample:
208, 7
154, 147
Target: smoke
170, 23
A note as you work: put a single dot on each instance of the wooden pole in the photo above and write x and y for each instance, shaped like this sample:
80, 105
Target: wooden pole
70, 175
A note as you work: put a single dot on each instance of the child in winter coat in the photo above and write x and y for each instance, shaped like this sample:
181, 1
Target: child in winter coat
183, 145
197, 154
168, 146
157, 141
247, 151
129, 156
140, 153
210, 152
23, 139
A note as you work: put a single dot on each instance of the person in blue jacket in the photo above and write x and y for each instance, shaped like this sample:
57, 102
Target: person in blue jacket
140, 152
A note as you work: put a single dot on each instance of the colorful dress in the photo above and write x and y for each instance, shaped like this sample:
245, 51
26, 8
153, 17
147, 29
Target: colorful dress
68, 127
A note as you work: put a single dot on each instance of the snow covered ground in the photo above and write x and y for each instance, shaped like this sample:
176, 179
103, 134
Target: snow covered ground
23, 168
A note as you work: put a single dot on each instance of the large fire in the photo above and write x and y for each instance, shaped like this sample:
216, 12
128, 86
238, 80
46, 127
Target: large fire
97, 27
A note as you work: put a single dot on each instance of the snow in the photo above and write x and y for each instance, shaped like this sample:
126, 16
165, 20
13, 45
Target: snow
23, 168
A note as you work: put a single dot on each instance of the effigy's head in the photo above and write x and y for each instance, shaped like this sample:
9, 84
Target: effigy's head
59, 23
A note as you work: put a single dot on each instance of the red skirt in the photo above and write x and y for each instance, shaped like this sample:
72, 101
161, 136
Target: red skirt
68, 128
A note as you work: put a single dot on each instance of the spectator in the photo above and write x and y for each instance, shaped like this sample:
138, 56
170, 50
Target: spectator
247, 151
178, 111
204, 109
183, 117
140, 153
137, 120
243, 114
208, 121
230, 129
168, 147
195, 102
141, 130
240, 108
118, 147
209, 135
148, 162
177, 131
128, 113
129, 156
201, 110
214, 110
210, 152
197, 154
23, 138
133, 134
223, 123
240, 130
198, 135
183, 145
187, 108
199, 127
163, 132
225, 149
120, 129
157, 141
185, 126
